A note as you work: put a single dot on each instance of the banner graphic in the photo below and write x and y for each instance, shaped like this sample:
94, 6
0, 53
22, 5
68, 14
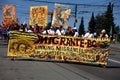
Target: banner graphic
8, 14
61, 48
61, 15
38, 15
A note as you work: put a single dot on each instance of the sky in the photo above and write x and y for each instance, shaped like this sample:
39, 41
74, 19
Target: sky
84, 9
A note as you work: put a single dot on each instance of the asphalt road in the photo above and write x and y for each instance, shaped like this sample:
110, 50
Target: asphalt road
29, 69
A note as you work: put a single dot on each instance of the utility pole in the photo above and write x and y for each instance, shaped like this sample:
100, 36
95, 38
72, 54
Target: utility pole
75, 18
112, 27
51, 16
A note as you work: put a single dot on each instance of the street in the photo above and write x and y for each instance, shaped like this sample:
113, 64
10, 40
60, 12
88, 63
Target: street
33, 69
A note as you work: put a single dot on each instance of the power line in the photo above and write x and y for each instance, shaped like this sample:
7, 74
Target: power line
92, 5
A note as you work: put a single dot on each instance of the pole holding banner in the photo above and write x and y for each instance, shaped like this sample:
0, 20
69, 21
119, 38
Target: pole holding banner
75, 18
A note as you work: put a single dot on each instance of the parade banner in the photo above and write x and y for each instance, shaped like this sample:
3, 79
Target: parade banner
8, 14
59, 48
38, 15
61, 15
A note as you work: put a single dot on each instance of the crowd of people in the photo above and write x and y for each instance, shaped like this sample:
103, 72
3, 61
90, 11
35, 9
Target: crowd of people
70, 31
90, 34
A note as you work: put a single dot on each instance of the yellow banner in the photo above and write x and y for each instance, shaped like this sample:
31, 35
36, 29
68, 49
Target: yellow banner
38, 15
61, 48
8, 14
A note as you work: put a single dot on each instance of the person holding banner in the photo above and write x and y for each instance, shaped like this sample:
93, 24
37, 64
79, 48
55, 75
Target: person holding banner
29, 28
75, 32
36, 29
22, 28
69, 32
89, 34
60, 31
103, 34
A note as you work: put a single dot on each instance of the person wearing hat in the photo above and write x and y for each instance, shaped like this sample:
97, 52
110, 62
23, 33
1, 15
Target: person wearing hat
103, 34
75, 32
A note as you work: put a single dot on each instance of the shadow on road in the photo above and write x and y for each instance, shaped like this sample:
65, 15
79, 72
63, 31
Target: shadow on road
112, 66
66, 62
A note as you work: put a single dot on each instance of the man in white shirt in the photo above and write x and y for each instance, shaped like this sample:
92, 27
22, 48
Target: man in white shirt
89, 35
75, 32
60, 31
86, 34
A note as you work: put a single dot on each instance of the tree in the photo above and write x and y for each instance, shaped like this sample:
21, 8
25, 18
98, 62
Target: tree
81, 30
105, 20
99, 22
92, 23
117, 29
109, 23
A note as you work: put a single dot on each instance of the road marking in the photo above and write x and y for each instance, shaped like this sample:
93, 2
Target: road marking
114, 61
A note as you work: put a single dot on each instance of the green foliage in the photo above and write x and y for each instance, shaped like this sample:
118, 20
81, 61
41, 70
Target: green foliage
81, 30
109, 18
92, 24
99, 22
105, 20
